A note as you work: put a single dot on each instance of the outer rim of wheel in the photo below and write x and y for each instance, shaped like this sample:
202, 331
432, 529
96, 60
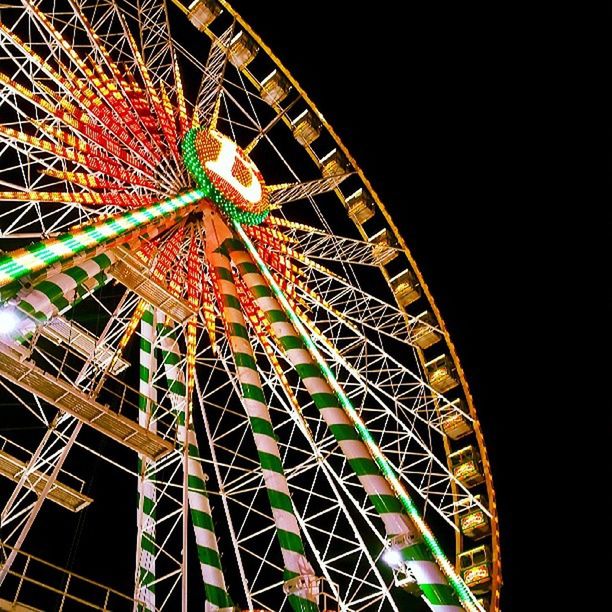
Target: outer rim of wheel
494, 536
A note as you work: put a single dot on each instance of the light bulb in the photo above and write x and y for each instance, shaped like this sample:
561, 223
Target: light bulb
392, 557
8, 321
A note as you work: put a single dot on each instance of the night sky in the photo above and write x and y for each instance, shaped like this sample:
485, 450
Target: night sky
441, 155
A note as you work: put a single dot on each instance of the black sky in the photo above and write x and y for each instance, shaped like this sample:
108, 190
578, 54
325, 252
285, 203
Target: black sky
431, 105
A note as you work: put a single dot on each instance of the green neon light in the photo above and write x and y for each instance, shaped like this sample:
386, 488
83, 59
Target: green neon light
192, 163
41, 255
467, 598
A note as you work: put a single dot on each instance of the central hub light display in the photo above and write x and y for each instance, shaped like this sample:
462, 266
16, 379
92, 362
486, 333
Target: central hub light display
227, 175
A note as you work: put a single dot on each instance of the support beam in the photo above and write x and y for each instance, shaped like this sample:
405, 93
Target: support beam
301, 583
292, 192
212, 80
146, 545
215, 588
419, 547
93, 238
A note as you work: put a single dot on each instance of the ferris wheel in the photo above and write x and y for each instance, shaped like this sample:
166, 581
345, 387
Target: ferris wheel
201, 291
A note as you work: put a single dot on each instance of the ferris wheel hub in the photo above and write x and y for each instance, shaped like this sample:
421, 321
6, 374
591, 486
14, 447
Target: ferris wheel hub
227, 175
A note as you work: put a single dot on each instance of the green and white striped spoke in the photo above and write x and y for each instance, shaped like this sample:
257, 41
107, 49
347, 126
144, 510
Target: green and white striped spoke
432, 582
146, 550
217, 595
254, 402
54, 295
95, 238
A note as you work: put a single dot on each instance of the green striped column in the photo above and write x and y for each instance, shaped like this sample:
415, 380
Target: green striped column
287, 529
146, 549
9, 291
356, 443
133, 241
57, 294
94, 238
217, 596
53, 295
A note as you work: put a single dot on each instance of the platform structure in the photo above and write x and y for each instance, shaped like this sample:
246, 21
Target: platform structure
82, 342
65, 396
13, 468
50, 583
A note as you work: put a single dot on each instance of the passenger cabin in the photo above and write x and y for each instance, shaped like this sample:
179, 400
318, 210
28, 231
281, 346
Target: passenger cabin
203, 12
360, 206
406, 288
306, 128
385, 246
453, 422
334, 163
466, 467
424, 333
441, 374
242, 50
473, 521
475, 569
274, 88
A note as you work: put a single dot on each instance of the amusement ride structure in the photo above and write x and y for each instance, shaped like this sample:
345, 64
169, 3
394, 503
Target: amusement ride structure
266, 368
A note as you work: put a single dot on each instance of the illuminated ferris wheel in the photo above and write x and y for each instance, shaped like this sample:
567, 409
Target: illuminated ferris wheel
201, 291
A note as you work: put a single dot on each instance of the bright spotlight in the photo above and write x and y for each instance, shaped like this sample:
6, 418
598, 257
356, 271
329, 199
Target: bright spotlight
8, 321
392, 557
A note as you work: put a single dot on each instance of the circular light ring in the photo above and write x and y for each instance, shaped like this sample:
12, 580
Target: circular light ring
231, 170
215, 186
